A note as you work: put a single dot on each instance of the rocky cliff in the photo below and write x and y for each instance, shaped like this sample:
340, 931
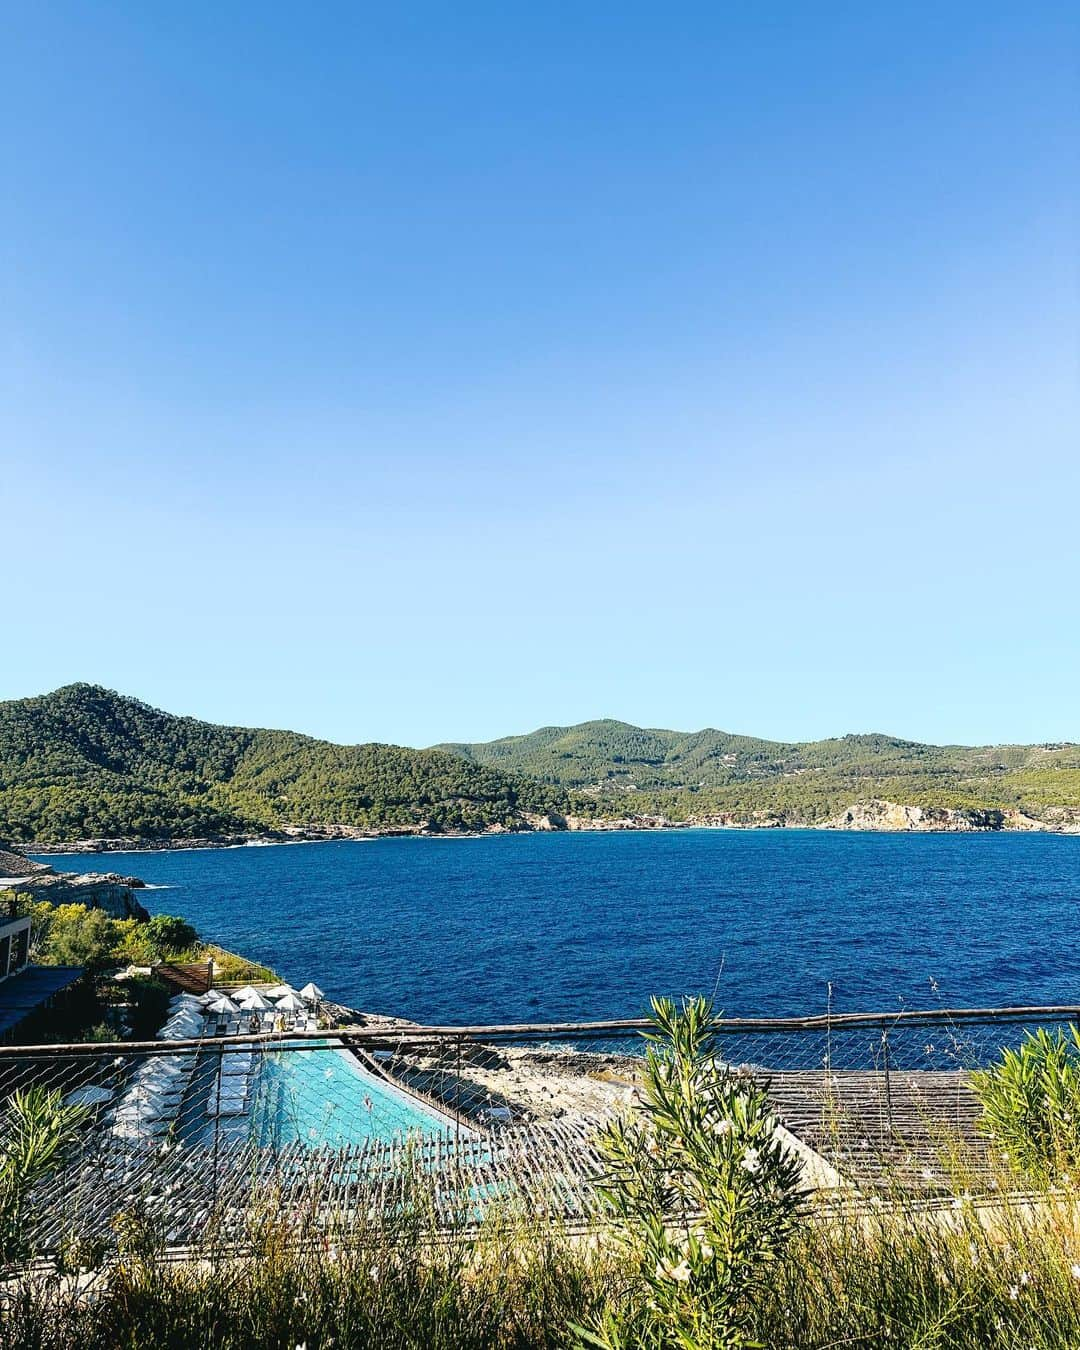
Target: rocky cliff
96, 890
885, 815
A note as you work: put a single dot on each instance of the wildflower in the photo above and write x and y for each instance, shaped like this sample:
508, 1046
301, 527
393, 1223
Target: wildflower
1075, 1271
722, 1127
751, 1161
666, 1271
1025, 1278
973, 1252
374, 1273
1014, 1292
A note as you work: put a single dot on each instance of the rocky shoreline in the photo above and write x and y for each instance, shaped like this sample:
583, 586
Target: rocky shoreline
874, 816
96, 890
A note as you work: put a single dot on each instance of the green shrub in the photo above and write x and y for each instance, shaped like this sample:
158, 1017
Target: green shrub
35, 1129
702, 1147
1031, 1104
169, 934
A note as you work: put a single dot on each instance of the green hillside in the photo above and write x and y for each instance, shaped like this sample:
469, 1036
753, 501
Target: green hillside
694, 774
84, 762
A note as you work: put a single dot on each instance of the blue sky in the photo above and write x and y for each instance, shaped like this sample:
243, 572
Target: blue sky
436, 372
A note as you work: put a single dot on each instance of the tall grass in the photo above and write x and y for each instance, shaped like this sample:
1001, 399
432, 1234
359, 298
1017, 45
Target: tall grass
965, 1279
511, 1286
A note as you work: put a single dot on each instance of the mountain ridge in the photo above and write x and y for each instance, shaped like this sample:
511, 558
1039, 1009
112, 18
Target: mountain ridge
84, 762
713, 776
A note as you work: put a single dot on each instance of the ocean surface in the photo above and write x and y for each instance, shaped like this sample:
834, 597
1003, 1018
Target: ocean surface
583, 926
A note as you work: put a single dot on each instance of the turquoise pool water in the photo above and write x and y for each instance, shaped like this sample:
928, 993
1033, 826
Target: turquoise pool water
324, 1098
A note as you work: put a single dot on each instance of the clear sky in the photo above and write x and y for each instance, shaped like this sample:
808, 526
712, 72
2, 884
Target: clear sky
428, 371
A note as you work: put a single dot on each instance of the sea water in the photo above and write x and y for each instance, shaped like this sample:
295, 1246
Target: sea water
590, 925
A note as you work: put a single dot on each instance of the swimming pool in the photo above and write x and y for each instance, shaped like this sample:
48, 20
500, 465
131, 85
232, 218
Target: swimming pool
323, 1098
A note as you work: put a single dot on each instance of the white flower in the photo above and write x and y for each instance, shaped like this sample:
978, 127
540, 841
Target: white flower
1025, 1278
722, 1127
666, 1271
751, 1161
1014, 1292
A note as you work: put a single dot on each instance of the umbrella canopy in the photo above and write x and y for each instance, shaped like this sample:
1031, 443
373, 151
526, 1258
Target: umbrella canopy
290, 1003
180, 1027
279, 991
254, 1002
222, 1004
211, 996
311, 992
248, 990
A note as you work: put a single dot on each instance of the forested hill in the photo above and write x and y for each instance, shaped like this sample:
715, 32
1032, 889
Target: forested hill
85, 762
700, 774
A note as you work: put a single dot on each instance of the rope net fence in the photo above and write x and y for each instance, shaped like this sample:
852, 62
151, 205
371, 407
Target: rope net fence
190, 1136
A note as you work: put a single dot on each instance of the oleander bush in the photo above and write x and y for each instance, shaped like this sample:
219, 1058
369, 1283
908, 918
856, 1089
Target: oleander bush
702, 1191
1031, 1104
36, 1128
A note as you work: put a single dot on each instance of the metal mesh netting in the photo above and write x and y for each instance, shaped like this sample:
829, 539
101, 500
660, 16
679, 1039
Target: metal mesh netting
339, 1125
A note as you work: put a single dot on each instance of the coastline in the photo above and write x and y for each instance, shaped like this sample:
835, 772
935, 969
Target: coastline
874, 818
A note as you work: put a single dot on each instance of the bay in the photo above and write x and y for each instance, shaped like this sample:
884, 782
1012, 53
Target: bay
582, 926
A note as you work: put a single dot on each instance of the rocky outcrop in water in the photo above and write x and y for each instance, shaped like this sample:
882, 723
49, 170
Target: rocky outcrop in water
107, 891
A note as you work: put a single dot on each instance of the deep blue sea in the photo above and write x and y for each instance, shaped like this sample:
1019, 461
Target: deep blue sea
569, 926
